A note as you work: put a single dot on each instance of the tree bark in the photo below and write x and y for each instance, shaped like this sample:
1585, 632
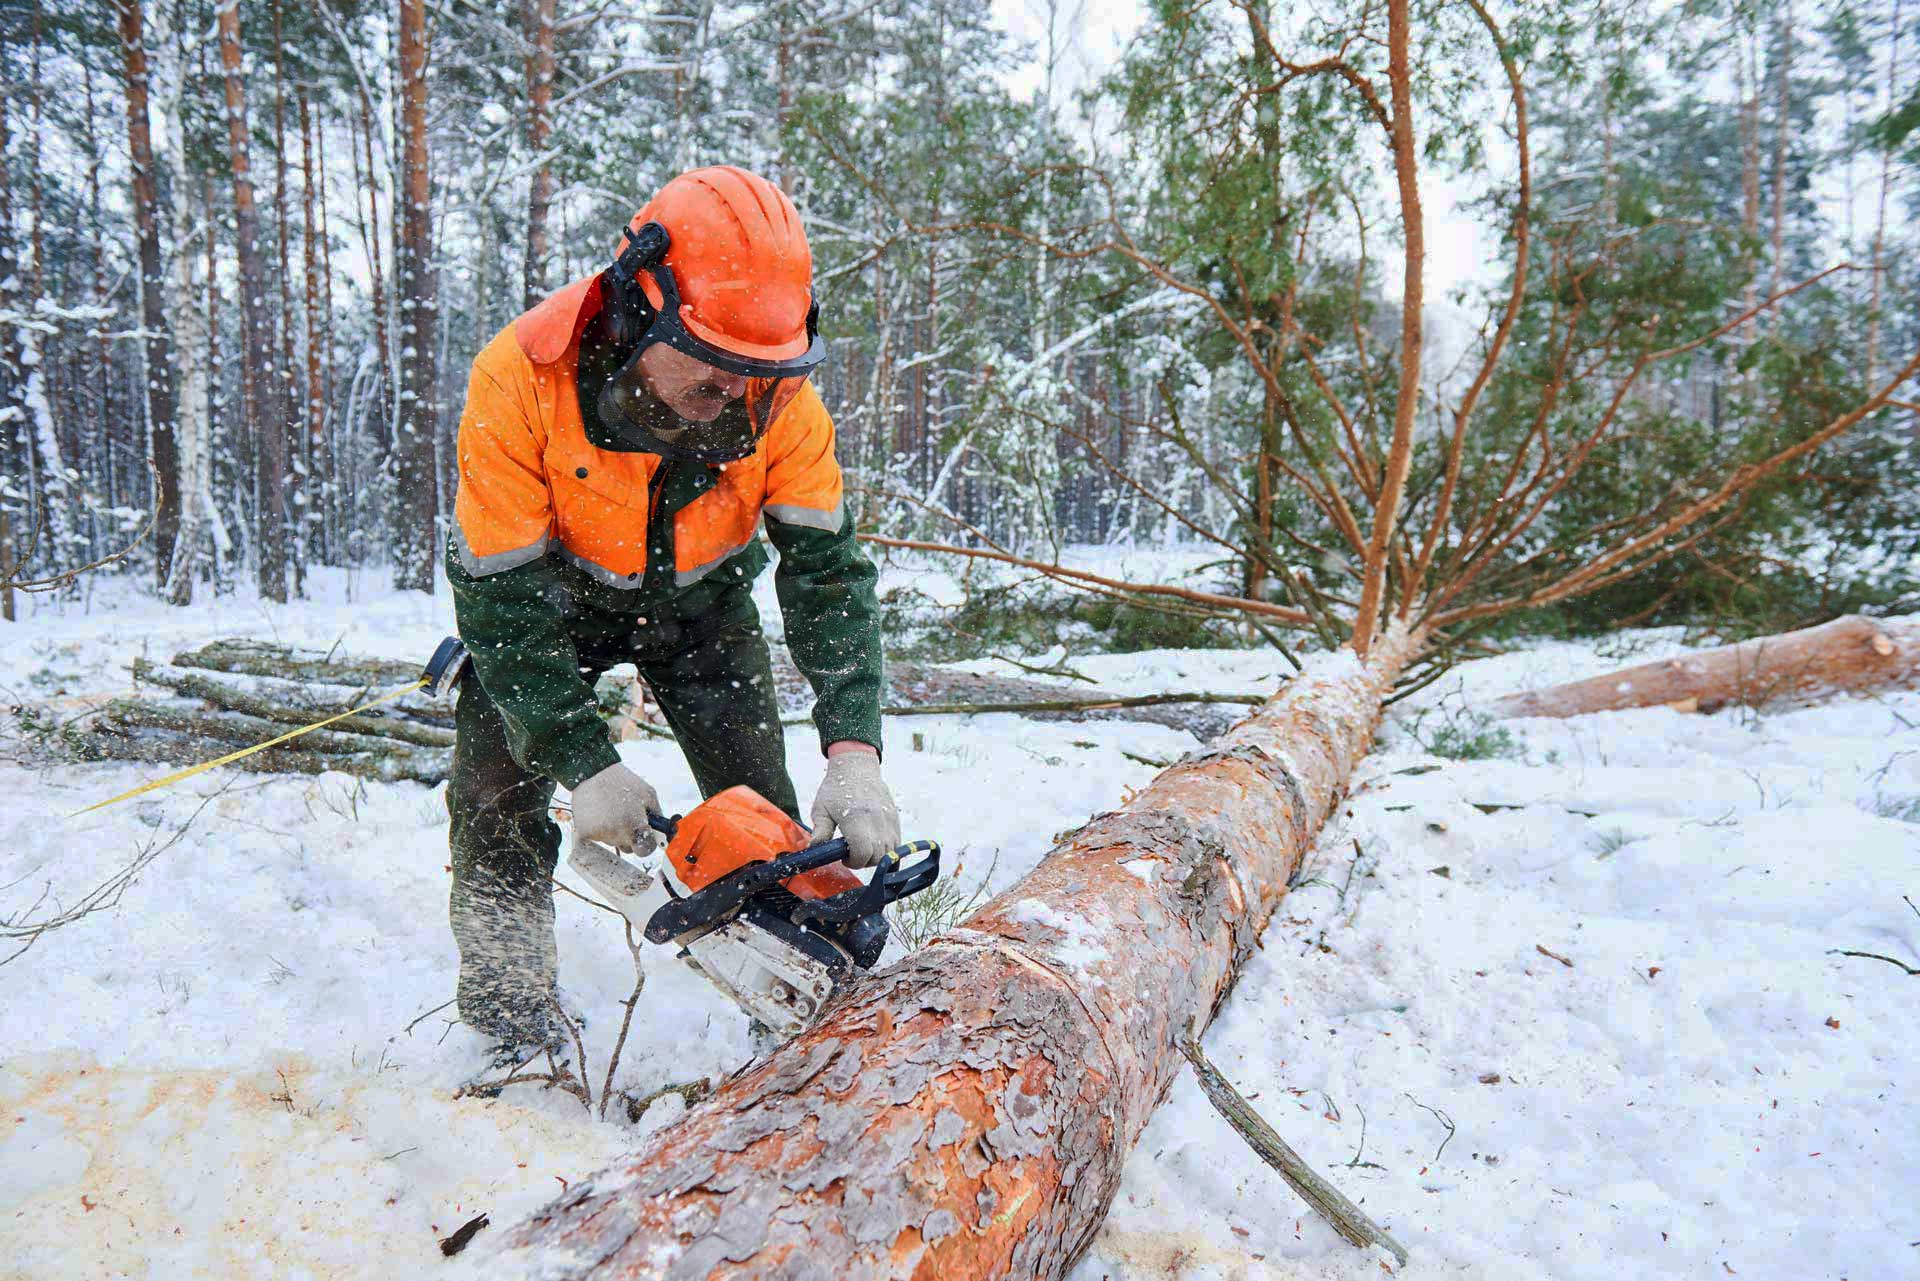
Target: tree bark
13, 409
1393, 482
416, 487
967, 1111
313, 513
192, 336
260, 377
1848, 655
299, 472
157, 369
1878, 269
540, 35
1783, 121
255, 703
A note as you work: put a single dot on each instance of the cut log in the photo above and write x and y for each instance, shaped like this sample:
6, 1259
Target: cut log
1851, 655
242, 730
316, 681
262, 658
235, 699
967, 1111
169, 747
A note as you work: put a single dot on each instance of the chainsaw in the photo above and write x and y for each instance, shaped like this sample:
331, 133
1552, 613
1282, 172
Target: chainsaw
776, 923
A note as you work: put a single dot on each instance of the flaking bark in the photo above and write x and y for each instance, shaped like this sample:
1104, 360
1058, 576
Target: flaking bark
1848, 655
967, 1111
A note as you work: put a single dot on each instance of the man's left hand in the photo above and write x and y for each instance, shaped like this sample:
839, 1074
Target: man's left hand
855, 802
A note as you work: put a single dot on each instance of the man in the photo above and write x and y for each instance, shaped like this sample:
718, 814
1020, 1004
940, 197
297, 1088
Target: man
621, 443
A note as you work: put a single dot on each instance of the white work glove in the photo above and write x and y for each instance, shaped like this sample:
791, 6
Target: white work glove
854, 801
612, 808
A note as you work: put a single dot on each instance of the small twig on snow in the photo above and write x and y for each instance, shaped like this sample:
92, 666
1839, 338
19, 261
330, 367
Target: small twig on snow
1347, 1218
1874, 956
427, 1014
626, 1021
579, 1049
1441, 1117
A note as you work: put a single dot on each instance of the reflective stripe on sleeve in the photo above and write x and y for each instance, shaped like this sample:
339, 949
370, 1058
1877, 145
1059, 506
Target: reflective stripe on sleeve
496, 562
809, 517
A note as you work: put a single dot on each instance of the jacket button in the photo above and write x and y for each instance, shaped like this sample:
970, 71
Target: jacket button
631, 577
580, 472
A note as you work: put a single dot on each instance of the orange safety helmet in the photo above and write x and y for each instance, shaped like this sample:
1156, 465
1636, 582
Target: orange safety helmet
717, 267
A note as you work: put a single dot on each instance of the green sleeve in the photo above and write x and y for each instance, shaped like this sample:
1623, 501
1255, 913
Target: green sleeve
826, 588
525, 658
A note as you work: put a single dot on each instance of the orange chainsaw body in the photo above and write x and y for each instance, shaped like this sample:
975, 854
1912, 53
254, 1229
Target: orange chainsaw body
739, 826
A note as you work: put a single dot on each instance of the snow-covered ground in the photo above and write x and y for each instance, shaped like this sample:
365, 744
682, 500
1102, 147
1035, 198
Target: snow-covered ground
230, 1074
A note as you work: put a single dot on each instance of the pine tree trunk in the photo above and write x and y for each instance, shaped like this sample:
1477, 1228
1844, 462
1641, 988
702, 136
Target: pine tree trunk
417, 506
540, 36
1782, 123
260, 377
157, 364
1887, 159
967, 1112
1749, 93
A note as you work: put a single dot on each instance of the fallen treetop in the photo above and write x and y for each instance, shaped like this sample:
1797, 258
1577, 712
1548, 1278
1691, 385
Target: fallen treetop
1848, 655
967, 1111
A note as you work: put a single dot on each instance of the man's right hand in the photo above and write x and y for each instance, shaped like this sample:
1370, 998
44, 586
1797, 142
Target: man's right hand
612, 808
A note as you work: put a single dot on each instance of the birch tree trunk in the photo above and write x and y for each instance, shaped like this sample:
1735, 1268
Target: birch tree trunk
13, 412
966, 1112
416, 486
260, 379
157, 367
313, 514
298, 478
185, 302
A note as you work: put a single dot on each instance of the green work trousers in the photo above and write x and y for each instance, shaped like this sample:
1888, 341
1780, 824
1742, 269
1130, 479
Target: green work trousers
713, 679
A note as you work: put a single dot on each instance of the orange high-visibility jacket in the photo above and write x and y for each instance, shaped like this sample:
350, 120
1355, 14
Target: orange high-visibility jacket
531, 482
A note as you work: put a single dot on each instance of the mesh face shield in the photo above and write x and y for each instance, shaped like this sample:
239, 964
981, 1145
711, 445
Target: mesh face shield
697, 401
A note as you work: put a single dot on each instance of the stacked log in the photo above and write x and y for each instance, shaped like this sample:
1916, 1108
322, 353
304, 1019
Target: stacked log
236, 693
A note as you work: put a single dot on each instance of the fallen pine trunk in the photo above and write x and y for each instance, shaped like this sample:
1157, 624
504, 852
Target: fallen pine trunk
912, 685
1848, 655
966, 1112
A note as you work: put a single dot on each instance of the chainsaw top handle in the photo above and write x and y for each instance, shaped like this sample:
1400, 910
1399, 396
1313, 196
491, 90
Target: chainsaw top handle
890, 882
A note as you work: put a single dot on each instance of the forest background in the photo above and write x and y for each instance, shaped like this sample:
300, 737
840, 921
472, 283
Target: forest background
247, 252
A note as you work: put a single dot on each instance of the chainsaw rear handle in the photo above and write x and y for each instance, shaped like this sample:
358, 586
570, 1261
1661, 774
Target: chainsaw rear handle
444, 670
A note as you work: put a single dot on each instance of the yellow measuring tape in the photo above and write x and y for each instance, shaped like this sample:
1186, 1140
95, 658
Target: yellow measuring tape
244, 752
